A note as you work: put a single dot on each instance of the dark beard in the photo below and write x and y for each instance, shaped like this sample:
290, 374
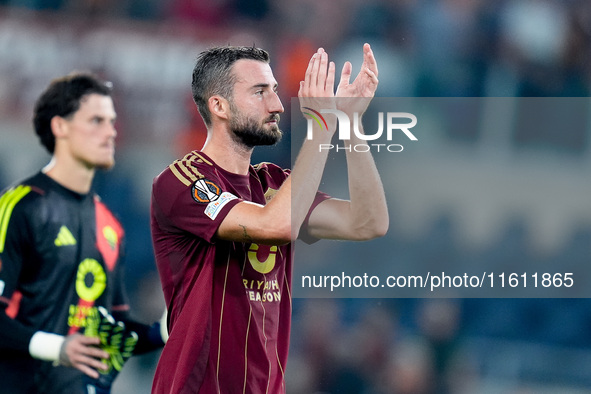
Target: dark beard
250, 134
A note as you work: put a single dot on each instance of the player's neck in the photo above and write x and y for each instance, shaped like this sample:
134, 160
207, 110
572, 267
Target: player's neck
74, 177
228, 153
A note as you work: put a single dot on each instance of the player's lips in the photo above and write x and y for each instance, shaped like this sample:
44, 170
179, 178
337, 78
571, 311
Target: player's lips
273, 120
109, 145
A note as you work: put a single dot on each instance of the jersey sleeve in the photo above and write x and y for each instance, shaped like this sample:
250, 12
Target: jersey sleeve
197, 208
14, 242
304, 235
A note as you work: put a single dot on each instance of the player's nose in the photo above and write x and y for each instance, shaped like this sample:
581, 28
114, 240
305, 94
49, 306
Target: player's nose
275, 105
111, 130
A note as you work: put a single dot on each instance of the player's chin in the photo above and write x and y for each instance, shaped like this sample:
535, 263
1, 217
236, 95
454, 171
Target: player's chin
105, 164
273, 129
273, 137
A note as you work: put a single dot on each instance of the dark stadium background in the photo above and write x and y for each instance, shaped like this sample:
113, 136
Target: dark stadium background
424, 48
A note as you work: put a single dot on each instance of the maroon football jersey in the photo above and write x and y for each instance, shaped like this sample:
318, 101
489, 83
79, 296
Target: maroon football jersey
229, 303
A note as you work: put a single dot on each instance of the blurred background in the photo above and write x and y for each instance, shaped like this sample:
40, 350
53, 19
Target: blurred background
425, 48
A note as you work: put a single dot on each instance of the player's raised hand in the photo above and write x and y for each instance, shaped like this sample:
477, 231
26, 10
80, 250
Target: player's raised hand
317, 89
363, 87
319, 78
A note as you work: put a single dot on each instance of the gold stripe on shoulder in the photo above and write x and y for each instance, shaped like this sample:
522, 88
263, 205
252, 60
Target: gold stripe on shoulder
7, 204
185, 169
192, 159
209, 163
179, 176
189, 161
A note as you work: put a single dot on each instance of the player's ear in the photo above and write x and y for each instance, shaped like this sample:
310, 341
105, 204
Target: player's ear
219, 106
58, 126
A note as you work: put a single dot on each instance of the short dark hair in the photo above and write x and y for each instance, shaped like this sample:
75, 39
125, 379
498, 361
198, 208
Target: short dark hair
213, 74
62, 98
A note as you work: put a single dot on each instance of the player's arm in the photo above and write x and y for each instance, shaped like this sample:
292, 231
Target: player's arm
280, 220
365, 215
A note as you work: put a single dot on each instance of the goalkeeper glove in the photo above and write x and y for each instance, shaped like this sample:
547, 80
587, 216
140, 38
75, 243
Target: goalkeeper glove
115, 340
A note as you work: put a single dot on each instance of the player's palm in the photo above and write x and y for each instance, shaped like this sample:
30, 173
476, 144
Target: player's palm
356, 96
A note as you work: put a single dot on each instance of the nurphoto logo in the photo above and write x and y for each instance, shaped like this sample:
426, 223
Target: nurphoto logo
345, 129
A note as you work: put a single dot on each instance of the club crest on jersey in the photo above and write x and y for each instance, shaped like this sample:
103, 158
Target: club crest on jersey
205, 191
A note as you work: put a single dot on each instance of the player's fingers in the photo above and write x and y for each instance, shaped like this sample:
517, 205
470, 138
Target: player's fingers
330, 78
96, 364
372, 76
369, 59
88, 346
90, 367
94, 352
88, 341
314, 74
345, 74
308, 75
88, 371
91, 362
300, 90
322, 70
81, 346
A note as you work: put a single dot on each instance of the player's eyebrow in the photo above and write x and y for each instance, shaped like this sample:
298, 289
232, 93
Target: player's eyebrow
264, 85
102, 118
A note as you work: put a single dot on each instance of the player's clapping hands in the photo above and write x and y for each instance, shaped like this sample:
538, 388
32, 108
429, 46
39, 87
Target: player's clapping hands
317, 89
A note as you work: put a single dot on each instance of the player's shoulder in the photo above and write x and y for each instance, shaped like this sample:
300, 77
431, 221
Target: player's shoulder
185, 171
27, 191
23, 198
